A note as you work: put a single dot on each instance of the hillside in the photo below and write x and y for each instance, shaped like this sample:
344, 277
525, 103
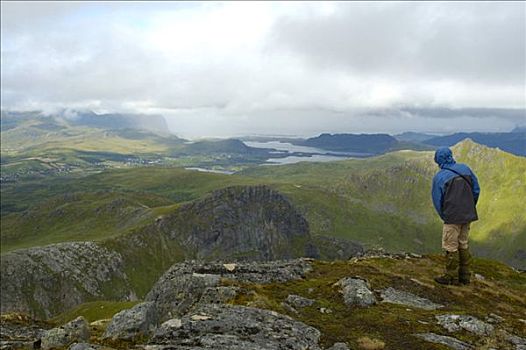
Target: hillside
38, 145
237, 223
393, 192
381, 201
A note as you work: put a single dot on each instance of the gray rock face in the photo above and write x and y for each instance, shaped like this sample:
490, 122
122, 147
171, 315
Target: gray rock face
244, 223
356, 292
391, 295
14, 335
185, 284
471, 324
74, 331
519, 342
85, 346
218, 295
450, 342
237, 327
339, 346
298, 301
140, 320
333, 248
48, 280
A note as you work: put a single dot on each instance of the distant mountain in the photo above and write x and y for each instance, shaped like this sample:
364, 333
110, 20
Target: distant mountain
519, 129
411, 136
155, 123
220, 146
363, 143
114, 121
512, 142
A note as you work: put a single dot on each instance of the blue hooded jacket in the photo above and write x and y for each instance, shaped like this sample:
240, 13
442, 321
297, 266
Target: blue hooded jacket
449, 170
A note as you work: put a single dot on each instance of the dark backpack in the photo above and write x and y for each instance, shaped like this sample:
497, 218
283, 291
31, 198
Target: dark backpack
458, 206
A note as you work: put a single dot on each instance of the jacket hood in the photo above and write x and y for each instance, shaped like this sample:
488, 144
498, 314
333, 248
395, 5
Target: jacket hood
444, 156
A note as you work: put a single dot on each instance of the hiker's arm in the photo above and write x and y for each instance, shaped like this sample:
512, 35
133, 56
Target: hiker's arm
476, 187
437, 195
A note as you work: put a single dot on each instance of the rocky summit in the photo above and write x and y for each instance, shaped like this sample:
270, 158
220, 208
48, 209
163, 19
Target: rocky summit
241, 223
376, 301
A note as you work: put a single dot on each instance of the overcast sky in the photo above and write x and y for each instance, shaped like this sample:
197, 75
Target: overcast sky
223, 69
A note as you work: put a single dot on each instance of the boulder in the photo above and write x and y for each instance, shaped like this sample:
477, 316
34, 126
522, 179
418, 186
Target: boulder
74, 331
471, 324
356, 291
139, 321
519, 342
450, 342
186, 284
236, 327
339, 346
86, 346
298, 301
393, 296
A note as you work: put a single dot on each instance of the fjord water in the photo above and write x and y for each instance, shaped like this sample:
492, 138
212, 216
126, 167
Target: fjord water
313, 154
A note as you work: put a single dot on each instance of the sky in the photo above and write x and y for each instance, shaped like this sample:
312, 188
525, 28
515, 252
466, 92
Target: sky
272, 68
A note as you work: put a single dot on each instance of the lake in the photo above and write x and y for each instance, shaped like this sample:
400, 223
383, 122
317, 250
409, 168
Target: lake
315, 154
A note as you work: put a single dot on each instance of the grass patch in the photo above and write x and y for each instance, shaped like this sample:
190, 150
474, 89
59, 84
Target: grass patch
94, 311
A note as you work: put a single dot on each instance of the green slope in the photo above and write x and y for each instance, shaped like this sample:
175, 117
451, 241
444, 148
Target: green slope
382, 201
399, 183
78, 216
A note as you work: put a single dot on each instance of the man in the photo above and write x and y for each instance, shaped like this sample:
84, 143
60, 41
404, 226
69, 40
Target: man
455, 193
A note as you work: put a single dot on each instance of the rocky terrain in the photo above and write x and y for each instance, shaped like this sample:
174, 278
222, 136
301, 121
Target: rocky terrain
239, 269
373, 302
48, 280
238, 223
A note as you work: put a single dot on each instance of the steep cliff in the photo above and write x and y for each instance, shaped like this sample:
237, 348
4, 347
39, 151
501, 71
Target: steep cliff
240, 223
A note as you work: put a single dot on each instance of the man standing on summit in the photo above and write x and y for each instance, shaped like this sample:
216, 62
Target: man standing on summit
455, 193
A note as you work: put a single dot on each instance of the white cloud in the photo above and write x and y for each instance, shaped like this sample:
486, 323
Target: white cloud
232, 67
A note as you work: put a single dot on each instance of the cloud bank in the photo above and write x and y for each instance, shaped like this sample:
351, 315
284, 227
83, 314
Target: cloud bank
279, 68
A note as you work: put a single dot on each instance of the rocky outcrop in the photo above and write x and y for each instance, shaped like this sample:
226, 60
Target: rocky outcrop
394, 296
334, 248
186, 284
74, 331
356, 291
19, 331
139, 321
298, 304
234, 327
298, 301
241, 223
45, 281
454, 323
450, 342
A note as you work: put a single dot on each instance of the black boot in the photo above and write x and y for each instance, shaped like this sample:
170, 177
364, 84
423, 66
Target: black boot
451, 275
464, 273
